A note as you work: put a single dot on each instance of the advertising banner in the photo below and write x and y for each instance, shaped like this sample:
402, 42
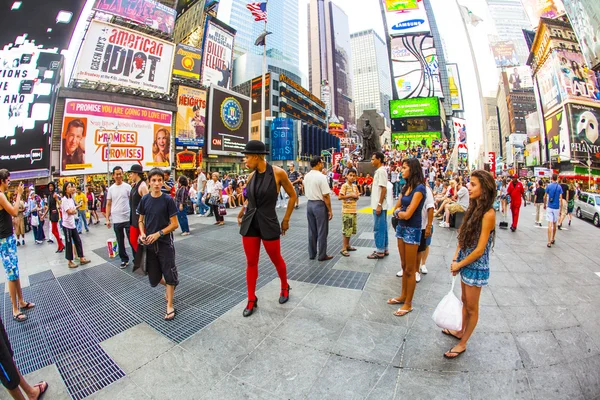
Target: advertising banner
548, 85
190, 124
187, 62
584, 16
145, 12
460, 130
114, 55
283, 144
505, 54
491, 162
28, 81
455, 87
229, 122
519, 78
585, 140
542, 8
416, 67
136, 135
218, 53
186, 160
557, 133
532, 154
403, 141
576, 82
415, 107
410, 19
532, 125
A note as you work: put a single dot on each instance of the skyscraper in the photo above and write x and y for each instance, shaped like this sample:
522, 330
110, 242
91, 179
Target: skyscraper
283, 46
371, 69
329, 58
510, 19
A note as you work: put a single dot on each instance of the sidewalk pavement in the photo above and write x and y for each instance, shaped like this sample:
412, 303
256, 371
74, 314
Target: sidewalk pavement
97, 332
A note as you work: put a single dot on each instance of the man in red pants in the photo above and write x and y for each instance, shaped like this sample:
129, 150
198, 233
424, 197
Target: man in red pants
516, 192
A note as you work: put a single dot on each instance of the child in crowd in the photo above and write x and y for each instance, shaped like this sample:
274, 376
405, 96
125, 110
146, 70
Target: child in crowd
349, 196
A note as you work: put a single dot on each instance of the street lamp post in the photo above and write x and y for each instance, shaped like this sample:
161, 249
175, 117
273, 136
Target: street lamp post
589, 165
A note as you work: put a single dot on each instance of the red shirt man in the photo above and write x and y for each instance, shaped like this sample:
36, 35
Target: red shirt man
516, 191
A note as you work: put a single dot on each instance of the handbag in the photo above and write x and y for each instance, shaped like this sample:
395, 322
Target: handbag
222, 210
35, 220
213, 200
394, 222
139, 263
448, 313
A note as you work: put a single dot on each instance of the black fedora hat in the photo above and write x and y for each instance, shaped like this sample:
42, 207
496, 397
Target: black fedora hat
255, 147
137, 168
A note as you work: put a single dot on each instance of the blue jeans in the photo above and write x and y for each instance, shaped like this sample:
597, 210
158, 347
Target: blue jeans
202, 208
183, 219
380, 229
80, 220
38, 231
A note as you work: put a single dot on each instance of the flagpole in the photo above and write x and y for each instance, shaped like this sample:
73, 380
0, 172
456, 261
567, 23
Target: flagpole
264, 73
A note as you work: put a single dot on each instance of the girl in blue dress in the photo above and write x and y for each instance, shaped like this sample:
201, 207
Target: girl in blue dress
408, 232
471, 259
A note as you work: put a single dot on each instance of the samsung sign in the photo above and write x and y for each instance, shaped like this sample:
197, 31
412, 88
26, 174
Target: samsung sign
401, 26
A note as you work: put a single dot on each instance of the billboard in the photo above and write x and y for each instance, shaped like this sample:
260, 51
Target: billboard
187, 62
229, 122
532, 125
550, 92
576, 82
415, 67
410, 19
114, 55
455, 87
137, 135
145, 12
403, 141
29, 78
519, 78
532, 154
218, 53
584, 138
557, 134
415, 107
283, 143
542, 8
460, 130
584, 16
190, 124
505, 54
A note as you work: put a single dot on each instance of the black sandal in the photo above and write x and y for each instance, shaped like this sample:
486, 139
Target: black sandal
28, 306
374, 256
345, 253
458, 353
352, 249
42, 388
171, 316
448, 333
18, 317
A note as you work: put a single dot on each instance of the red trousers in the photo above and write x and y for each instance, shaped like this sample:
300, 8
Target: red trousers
515, 209
252, 250
134, 234
56, 234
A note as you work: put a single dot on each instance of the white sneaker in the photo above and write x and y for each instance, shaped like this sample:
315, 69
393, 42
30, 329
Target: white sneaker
445, 225
418, 277
399, 274
423, 269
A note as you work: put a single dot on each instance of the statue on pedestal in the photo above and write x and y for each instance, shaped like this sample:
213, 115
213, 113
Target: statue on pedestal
371, 142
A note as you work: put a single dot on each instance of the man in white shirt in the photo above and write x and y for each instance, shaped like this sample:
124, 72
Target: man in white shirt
426, 232
201, 188
461, 204
432, 173
117, 212
318, 210
394, 178
379, 206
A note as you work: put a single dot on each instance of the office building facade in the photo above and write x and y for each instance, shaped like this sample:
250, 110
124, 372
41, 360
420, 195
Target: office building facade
510, 19
371, 69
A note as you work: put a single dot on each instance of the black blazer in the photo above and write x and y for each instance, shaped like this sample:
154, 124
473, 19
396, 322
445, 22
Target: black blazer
261, 205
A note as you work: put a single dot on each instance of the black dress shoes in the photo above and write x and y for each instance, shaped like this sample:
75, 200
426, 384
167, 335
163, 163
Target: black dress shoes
249, 310
284, 296
326, 258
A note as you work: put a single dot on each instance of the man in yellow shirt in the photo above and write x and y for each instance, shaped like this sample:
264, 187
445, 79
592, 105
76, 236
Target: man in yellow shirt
82, 206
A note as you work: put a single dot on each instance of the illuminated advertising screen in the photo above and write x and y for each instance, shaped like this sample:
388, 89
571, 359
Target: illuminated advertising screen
95, 133
584, 137
557, 133
403, 141
187, 63
190, 123
28, 80
407, 18
415, 67
415, 107
218, 53
229, 122
145, 12
547, 80
455, 87
519, 78
460, 130
584, 16
114, 55
576, 81
283, 144
505, 54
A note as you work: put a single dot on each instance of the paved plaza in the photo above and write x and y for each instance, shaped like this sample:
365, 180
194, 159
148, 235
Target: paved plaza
97, 332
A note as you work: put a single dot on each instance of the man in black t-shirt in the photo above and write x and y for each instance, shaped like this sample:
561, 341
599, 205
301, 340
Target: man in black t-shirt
539, 202
158, 219
564, 201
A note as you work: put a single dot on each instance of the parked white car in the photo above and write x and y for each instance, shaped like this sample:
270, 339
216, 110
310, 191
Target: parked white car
587, 205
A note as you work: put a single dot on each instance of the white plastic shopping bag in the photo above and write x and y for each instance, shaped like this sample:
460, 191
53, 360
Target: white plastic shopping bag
448, 313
